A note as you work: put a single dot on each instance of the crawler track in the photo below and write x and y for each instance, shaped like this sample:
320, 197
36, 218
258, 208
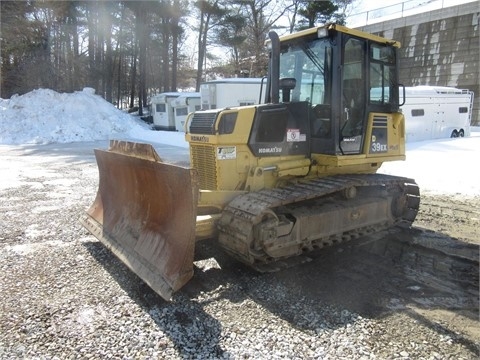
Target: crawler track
248, 217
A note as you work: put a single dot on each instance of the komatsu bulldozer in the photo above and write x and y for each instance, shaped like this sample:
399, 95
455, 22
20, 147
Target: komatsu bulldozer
270, 181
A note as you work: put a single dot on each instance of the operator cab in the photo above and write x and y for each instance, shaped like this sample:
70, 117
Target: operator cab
337, 78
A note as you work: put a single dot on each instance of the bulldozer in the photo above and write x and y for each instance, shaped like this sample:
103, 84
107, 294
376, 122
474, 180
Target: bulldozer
271, 181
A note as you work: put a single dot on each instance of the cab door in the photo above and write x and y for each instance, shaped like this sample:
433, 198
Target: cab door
353, 92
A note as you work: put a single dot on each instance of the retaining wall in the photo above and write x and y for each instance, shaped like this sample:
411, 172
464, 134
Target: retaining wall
440, 47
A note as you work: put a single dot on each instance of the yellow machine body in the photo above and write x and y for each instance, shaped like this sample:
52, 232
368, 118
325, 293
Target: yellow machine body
270, 181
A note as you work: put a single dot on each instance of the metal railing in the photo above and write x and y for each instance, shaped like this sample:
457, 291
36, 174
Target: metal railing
400, 10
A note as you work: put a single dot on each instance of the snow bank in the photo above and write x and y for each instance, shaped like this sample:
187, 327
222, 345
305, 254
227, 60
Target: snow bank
44, 116
442, 166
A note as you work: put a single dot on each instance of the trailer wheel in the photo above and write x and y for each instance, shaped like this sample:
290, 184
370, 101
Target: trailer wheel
461, 133
454, 134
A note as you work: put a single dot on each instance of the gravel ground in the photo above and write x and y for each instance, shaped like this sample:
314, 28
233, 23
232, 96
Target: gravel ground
65, 296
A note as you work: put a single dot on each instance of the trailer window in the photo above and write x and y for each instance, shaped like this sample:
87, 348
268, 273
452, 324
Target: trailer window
183, 111
246, 103
160, 108
418, 112
463, 110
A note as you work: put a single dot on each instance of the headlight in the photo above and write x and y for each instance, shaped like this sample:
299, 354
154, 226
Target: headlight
322, 32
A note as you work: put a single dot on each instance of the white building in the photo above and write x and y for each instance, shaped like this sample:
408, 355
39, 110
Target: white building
221, 93
162, 110
182, 106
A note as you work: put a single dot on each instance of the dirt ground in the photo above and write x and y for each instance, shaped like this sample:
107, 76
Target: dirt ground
450, 224
427, 274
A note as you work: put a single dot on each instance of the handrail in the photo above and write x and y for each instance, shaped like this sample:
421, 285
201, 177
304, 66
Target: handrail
400, 10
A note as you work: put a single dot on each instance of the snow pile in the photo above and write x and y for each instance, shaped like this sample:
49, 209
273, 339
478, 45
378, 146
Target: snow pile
442, 166
45, 116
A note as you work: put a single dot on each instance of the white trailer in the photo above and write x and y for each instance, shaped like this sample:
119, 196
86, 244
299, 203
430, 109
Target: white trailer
162, 110
221, 93
183, 105
435, 112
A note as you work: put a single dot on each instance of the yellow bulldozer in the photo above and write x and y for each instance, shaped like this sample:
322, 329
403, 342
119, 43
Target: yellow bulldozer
270, 181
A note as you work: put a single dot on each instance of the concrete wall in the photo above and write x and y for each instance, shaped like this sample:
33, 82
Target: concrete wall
440, 47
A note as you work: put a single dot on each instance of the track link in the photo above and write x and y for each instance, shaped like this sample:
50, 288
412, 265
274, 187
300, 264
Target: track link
239, 219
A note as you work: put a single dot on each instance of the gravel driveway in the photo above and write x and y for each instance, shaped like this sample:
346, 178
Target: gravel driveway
65, 296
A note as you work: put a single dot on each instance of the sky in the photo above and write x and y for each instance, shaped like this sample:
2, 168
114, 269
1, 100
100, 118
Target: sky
443, 166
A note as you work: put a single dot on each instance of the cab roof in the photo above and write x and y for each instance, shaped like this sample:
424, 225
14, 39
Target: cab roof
343, 29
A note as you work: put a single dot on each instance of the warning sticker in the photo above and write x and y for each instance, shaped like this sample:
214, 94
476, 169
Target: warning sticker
294, 135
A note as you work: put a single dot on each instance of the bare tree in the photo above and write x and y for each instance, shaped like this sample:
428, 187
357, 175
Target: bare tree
108, 58
65, 46
322, 12
232, 35
179, 11
210, 14
292, 15
262, 16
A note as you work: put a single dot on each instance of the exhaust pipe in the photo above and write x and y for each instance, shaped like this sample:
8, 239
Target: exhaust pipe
274, 69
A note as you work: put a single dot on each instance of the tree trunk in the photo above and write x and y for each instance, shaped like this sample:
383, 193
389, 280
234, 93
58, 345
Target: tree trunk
176, 30
119, 58
76, 54
142, 59
108, 64
202, 45
92, 31
134, 78
164, 54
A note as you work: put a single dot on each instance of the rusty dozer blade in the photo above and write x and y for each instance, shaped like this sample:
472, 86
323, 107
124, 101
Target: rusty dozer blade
145, 213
